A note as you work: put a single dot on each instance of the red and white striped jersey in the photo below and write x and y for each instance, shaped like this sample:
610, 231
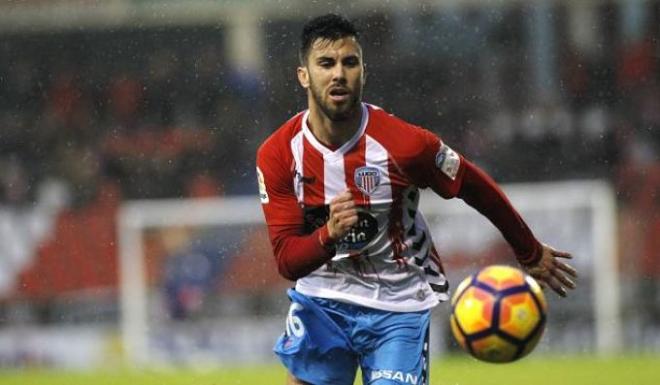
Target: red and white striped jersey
388, 260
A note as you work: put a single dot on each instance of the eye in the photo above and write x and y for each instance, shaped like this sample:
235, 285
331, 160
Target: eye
326, 63
351, 61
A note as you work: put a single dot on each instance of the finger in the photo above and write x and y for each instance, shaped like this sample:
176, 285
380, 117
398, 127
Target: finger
346, 213
570, 270
545, 279
343, 197
352, 214
348, 205
561, 254
343, 214
560, 291
556, 287
339, 207
346, 224
564, 280
342, 205
350, 222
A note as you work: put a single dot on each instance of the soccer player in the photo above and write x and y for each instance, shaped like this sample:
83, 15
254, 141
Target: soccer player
339, 185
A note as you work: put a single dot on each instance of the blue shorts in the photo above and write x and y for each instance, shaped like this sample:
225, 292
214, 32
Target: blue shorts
326, 340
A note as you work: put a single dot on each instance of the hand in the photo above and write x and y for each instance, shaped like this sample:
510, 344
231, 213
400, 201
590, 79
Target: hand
549, 271
343, 215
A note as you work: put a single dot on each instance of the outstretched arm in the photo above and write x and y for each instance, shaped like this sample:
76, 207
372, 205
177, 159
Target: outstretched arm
550, 271
540, 261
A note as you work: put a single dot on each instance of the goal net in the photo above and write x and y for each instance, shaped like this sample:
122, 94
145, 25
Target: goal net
199, 284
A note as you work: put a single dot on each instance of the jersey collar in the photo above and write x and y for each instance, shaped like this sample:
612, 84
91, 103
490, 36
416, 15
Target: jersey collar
320, 147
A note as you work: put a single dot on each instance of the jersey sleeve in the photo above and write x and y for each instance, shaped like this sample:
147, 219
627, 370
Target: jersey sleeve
482, 193
297, 254
276, 193
436, 165
450, 175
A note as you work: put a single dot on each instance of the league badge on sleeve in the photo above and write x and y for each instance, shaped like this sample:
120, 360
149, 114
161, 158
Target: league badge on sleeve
448, 161
263, 194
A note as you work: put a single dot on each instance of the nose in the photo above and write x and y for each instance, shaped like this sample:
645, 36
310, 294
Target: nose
339, 73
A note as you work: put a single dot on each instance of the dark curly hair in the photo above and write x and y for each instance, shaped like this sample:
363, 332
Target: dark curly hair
331, 27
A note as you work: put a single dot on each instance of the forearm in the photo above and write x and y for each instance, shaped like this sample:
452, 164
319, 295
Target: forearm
298, 255
482, 193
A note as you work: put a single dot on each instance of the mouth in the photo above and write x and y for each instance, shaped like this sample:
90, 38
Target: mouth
339, 94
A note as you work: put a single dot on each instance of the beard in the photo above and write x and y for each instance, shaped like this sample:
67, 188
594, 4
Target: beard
337, 112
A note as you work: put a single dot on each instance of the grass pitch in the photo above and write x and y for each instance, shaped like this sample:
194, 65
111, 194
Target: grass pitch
638, 370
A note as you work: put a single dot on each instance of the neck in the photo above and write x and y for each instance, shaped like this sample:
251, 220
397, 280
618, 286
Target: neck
333, 133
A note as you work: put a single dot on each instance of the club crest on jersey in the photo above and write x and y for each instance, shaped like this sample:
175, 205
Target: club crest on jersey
367, 179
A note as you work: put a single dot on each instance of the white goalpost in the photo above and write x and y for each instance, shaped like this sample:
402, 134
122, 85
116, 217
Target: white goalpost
134, 218
577, 216
551, 210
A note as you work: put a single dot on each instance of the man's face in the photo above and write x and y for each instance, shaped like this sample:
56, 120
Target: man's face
334, 75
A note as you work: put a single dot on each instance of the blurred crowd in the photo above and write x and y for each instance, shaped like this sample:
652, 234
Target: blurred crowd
159, 112
142, 110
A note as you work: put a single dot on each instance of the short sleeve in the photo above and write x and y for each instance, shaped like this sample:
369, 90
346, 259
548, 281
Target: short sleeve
278, 199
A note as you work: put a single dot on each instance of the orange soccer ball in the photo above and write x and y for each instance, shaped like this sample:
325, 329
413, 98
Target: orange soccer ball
498, 314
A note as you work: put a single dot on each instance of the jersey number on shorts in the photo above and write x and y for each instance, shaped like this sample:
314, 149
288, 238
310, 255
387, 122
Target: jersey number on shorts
294, 325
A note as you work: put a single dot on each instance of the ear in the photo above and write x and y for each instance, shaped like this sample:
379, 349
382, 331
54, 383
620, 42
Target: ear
303, 77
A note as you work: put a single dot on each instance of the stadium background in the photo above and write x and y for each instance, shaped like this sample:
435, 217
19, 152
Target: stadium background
107, 102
